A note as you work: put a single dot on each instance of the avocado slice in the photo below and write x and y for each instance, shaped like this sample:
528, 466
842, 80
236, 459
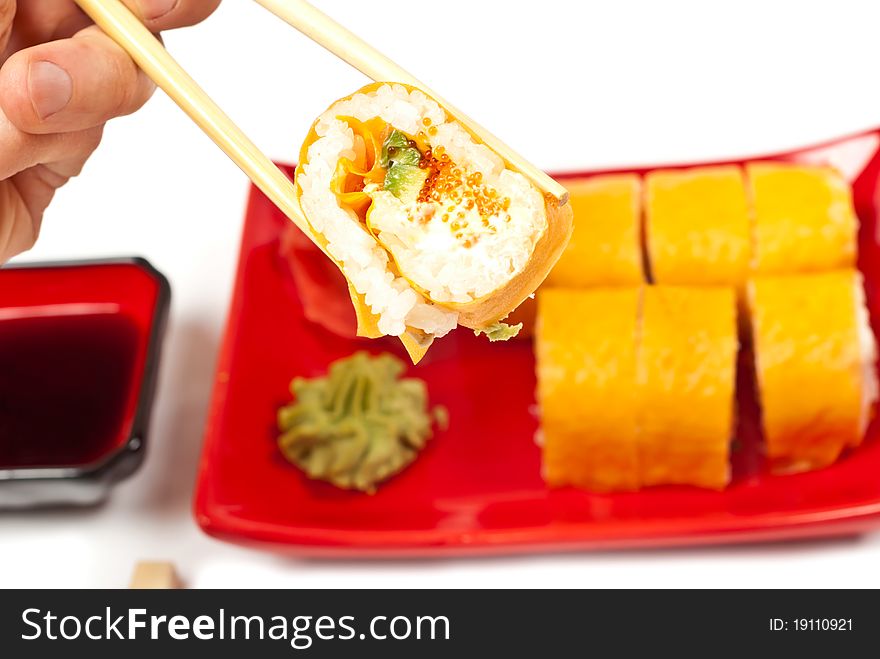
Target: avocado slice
499, 331
398, 148
401, 157
405, 181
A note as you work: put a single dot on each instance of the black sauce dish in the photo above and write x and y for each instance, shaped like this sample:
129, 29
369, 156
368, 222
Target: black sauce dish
80, 345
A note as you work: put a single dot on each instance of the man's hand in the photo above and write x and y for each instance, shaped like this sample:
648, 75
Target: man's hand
61, 80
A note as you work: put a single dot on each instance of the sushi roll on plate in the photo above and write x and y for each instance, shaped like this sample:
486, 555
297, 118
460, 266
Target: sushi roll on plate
697, 226
686, 381
815, 362
636, 386
804, 219
430, 227
586, 361
605, 247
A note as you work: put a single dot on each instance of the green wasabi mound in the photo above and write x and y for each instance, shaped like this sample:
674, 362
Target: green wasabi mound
360, 424
499, 331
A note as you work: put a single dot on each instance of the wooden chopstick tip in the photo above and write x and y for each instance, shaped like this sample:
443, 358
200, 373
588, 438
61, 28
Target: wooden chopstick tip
561, 199
155, 575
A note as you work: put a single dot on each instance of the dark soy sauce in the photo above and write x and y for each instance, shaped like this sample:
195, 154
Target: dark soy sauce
64, 387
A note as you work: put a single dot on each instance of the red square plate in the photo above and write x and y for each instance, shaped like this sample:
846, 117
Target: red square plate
477, 488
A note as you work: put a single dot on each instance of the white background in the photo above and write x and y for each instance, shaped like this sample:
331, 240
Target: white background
631, 82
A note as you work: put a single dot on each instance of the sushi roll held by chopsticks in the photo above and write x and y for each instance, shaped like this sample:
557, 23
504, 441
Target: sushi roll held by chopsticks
431, 228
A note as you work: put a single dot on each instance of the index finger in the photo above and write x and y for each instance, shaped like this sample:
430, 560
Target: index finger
7, 13
161, 15
38, 21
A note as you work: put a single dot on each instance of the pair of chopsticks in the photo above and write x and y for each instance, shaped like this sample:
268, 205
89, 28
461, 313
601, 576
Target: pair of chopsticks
147, 51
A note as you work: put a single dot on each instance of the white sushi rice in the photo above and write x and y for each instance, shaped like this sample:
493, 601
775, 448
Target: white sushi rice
438, 263
426, 252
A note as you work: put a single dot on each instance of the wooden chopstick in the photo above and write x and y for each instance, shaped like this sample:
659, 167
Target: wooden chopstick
123, 27
326, 32
155, 575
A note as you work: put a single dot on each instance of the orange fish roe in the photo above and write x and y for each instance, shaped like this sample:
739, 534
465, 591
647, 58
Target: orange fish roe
447, 185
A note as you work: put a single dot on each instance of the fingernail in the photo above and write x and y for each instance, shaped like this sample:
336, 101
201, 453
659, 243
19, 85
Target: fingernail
50, 88
153, 9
